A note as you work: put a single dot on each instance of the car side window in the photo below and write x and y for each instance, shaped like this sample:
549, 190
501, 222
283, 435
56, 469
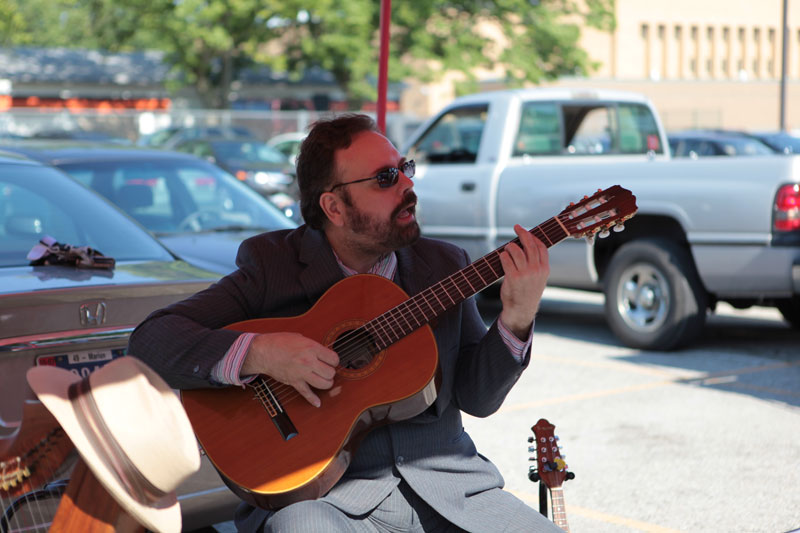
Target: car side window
454, 138
638, 131
590, 129
539, 130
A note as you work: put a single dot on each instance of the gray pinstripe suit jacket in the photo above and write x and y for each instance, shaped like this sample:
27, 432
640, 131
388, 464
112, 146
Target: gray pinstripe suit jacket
282, 274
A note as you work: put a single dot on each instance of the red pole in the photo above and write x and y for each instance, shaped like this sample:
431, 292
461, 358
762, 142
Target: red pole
383, 63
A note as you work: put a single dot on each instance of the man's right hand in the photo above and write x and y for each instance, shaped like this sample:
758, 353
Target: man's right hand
293, 359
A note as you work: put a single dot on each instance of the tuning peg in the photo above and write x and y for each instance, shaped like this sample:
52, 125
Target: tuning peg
603, 234
530, 439
531, 449
533, 474
619, 227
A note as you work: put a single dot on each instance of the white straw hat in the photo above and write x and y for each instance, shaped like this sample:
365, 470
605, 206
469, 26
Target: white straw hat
131, 431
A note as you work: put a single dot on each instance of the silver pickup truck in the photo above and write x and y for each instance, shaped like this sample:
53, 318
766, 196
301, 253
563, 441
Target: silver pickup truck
707, 230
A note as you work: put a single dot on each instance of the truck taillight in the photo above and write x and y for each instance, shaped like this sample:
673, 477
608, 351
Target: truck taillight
786, 212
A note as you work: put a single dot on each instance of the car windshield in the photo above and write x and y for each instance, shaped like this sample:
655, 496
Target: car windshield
36, 201
254, 152
169, 196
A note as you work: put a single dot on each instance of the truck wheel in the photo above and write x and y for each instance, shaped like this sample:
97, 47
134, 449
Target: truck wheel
790, 309
654, 299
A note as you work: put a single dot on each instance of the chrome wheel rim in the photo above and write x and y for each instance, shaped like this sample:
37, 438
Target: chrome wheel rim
643, 298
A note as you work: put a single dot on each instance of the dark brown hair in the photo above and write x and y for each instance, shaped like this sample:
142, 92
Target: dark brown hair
316, 166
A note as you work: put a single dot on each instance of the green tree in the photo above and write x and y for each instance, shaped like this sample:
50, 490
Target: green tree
429, 38
209, 42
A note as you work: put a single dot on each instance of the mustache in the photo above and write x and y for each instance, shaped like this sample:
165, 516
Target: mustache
409, 201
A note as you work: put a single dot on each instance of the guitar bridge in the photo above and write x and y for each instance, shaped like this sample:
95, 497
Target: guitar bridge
273, 406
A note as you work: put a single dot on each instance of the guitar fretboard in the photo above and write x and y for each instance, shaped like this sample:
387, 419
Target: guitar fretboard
559, 509
419, 310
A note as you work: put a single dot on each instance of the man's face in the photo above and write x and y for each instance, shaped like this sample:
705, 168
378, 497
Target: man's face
379, 220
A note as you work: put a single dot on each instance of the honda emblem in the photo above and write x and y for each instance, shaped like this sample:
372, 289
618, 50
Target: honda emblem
93, 314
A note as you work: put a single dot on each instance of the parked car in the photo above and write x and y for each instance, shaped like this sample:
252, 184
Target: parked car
80, 135
261, 167
288, 144
197, 210
167, 138
700, 143
75, 318
780, 141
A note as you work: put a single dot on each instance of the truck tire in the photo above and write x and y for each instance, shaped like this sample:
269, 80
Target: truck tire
654, 299
790, 309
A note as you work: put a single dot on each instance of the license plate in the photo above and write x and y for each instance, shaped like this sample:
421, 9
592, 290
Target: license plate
81, 363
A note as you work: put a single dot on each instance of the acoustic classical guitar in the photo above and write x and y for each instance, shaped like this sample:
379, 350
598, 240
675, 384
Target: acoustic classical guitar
272, 448
552, 469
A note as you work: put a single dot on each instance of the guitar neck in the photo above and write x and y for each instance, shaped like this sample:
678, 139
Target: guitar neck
419, 310
559, 510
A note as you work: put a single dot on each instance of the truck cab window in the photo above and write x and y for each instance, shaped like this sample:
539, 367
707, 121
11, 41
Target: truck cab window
589, 130
454, 138
539, 130
638, 130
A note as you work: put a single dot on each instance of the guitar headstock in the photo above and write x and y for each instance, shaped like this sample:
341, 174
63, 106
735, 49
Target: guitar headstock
605, 210
551, 466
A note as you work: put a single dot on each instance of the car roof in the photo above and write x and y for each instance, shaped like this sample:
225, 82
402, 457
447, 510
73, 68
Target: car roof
705, 134
15, 158
554, 93
223, 139
64, 152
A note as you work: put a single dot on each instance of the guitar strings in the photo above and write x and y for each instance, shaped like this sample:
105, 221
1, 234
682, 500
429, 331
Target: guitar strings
352, 343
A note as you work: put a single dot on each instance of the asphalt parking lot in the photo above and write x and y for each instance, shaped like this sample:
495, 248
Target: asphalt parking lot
704, 439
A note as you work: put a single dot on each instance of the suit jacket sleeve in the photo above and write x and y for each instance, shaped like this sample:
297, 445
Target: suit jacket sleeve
477, 368
183, 342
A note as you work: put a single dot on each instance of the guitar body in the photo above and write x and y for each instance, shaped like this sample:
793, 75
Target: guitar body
267, 469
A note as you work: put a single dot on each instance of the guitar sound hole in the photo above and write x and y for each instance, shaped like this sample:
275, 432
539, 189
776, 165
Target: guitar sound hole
355, 348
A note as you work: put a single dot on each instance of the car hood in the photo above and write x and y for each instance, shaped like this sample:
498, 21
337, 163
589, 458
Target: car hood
27, 279
215, 251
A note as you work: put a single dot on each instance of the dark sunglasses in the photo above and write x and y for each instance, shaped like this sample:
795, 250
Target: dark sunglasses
386, 178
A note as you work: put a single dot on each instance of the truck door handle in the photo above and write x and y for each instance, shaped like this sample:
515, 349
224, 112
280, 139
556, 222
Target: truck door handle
468, 186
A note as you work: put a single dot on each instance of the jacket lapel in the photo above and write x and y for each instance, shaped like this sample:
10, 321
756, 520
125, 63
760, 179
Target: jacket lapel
321, 270
413, 273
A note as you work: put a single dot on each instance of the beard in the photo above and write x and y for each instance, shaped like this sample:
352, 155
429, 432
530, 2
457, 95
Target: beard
377, 236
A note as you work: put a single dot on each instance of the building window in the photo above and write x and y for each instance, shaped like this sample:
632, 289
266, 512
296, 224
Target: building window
725, 62
678, 31
773, 53
712, 52
647, 52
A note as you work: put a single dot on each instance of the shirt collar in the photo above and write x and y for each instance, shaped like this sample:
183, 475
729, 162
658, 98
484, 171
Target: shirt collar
385, 267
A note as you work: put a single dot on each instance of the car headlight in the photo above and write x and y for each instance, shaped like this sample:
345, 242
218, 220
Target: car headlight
271, 178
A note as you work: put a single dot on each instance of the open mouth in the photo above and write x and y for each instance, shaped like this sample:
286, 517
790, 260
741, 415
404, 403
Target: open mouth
407, 212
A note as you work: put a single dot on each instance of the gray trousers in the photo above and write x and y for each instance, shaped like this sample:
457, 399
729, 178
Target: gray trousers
402, 511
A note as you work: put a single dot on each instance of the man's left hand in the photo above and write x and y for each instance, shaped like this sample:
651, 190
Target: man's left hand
526, 269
